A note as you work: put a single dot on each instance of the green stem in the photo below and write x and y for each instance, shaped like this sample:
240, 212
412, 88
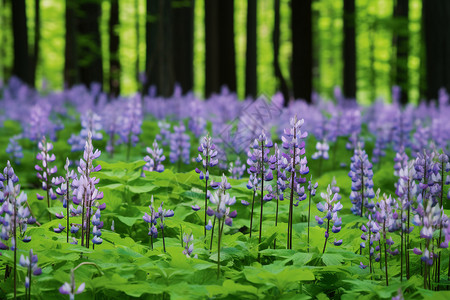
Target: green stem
251, 215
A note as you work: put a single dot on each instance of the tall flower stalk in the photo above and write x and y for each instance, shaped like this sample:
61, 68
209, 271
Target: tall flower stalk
258, 160
207, 156
294, 143
46, 176
85, 191
64, 191
311, 193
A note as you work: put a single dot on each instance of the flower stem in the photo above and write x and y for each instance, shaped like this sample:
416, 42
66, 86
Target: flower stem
262, 192
251, 215
309, 214
218, 250
164, 243
212, 233
326, 237
15, 246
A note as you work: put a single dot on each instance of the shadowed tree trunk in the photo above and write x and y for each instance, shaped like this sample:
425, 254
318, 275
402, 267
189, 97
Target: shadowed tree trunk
183, 43
21, 67
37, 37
301, 68
212, 84
220, 59
138, 38
227, 56
71, 75
281, 82
349, 50
114, 61
436, 21
401, 37
165, 80
251, 80
151, 34
89, 49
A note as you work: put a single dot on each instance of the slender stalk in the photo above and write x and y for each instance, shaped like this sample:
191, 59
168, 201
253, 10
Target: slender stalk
206, 202
385, 253
276, 213
370, 256
83, 203
362, 189
151, 240
218, 249
401, 255
251, 215
67, 207
164, 243
212, 233
129, 147
326, 238
291, 203
262, 191
309, 215
407, 237
15, 246
29, 276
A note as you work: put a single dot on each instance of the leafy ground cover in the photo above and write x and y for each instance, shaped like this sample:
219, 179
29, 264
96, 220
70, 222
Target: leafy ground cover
128, 262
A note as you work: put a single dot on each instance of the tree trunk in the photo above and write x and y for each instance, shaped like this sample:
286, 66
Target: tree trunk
183, 43
71, 75
401, 37
114, 61
37, 37
165, 80
301, 68
220, 62
436, 16
89, 48
349, 50
22, 67
151, 34
251, 81
212, 84
281, 82
138, 38
227, 54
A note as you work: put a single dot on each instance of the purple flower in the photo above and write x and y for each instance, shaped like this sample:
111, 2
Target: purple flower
154, 161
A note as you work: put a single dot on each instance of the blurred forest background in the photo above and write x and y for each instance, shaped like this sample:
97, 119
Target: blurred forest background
254, 47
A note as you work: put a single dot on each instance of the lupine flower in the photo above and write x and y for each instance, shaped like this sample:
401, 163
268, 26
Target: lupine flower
162, 214
179, 145
208, 157
30, 263
71, 289
237, 169
154, 161
14, 149
152, 221
293, 141
131, 122
85, 191
189, 245
321, 150
47, 171
331, 209
362, 183
164, 133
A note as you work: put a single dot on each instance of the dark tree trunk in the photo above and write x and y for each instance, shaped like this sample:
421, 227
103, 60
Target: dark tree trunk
89, 49
212, 70
22, 67
138, 38
71, 75
151, 34
37, 37
401, 37
349, 50
183, 43
165, 80
227, 56
436, 15
251, 80
114, 61
301, 68
220, 59
281, 82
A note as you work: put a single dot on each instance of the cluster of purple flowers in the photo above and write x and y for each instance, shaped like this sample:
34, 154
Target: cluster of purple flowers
153, 162
152, 220
362, 181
